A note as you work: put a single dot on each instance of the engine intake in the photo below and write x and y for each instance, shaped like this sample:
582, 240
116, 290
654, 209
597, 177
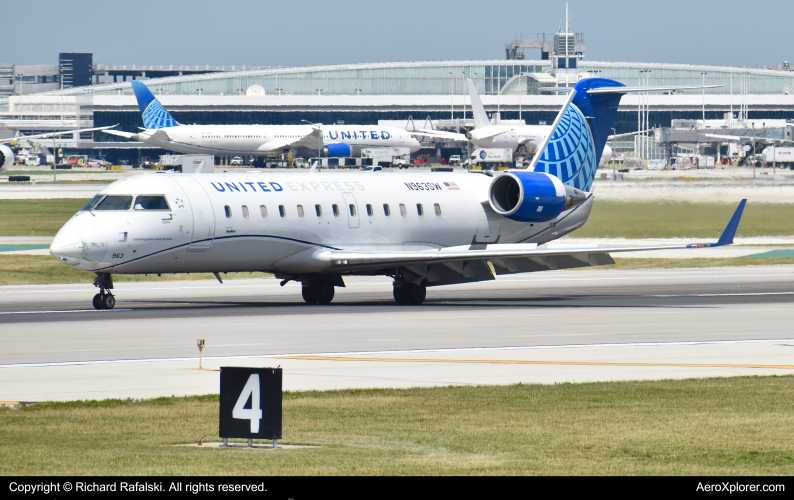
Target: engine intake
6, 157
532, 196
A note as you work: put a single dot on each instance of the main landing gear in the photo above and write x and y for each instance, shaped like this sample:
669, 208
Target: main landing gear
104, 299
318, 290
406, 293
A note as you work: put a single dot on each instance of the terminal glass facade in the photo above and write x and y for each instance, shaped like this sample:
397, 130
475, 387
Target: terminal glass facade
449, 78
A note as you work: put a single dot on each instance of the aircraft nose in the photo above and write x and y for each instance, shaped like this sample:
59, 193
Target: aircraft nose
67, 246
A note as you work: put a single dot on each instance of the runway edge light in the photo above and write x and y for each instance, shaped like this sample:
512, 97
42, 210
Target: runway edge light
200, 344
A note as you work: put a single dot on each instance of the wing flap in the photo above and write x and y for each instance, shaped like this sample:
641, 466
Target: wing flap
440, 134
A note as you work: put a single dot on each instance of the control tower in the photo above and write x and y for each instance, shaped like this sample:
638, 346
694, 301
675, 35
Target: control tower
564, 48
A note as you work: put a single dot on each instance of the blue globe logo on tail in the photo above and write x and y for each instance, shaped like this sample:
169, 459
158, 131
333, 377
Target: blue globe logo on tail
153, 114
570, 154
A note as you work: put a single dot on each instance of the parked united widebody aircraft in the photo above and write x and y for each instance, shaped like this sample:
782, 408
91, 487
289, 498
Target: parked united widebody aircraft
258, 140
421, 229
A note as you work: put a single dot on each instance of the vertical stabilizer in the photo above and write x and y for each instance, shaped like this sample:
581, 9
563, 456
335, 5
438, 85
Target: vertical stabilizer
153, 114
577, 140
477, 109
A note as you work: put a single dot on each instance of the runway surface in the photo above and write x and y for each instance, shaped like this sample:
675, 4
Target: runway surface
545, 327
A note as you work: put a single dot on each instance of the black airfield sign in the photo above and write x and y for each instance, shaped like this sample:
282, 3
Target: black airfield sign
250, 403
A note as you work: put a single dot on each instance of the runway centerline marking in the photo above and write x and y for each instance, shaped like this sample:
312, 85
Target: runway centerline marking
521, 362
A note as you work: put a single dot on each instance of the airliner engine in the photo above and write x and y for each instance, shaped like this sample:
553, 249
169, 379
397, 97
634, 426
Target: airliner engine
341, 150
532, 196
6, 157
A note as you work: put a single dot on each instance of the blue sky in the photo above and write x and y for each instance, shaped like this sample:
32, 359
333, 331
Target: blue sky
298, 32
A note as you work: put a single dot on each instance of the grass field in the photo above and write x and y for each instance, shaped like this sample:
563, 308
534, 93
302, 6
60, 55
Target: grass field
609, 219
718, 426
613, 219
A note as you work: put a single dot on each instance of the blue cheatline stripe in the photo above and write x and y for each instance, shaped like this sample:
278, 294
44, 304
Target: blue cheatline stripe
309, 243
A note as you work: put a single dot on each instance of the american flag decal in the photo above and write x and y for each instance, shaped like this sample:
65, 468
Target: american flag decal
452, 186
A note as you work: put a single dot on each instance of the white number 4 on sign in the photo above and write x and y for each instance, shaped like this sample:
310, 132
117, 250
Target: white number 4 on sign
254, 414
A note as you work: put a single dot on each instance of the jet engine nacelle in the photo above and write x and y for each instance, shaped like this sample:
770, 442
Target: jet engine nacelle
606, 156
341, 150
6, 157
532, 196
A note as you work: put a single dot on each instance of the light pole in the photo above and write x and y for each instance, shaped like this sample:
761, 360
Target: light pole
703, 92
279, 91
451, 96
753, 150
358, 91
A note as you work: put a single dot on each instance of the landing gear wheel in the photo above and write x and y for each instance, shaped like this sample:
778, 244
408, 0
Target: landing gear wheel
98, 302
410, 293
309, 294
400, 295
324, 292
108, 301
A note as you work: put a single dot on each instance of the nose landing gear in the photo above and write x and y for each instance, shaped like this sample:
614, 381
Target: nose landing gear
104, 299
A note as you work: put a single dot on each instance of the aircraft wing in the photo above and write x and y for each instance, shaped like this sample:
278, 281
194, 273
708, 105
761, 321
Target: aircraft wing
511, 256
54, 134
310, 140
441, 134
745, 138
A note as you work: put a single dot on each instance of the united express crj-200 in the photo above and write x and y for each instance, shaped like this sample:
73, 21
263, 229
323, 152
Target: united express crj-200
421, 229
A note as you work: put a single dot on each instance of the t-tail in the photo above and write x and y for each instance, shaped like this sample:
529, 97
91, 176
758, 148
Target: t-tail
153, 114
579, 133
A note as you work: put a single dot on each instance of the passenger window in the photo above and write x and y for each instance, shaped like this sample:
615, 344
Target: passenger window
115, 203
438, 209
352, 210
419, 209
335, 208
386, 210
300, 210
402, 210
369, 210
228, 210
263, 209
282, 211
319, 210
245, 211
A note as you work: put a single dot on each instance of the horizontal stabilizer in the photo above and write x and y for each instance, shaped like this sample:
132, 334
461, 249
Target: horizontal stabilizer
120, 133
626, 90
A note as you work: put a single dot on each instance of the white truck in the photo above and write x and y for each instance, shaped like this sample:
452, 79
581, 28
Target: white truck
491, 158
384, 156
783, 157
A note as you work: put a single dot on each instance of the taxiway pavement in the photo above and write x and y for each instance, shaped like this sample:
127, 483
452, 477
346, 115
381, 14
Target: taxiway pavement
560, 326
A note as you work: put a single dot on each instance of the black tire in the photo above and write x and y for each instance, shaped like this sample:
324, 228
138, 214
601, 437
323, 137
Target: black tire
324, 292
309, 294
98, 302
401, 295
108, 301
415, 294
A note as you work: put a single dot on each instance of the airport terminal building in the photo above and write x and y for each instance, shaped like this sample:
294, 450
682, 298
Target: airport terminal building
405, 91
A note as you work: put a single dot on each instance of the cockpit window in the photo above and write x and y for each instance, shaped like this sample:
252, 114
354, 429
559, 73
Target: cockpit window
115, 203
94, 200
151, 203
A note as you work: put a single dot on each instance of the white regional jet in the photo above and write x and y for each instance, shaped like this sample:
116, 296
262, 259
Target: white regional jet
258, 140
421, 229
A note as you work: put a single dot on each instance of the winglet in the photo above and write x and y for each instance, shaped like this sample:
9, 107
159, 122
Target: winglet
726, 238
